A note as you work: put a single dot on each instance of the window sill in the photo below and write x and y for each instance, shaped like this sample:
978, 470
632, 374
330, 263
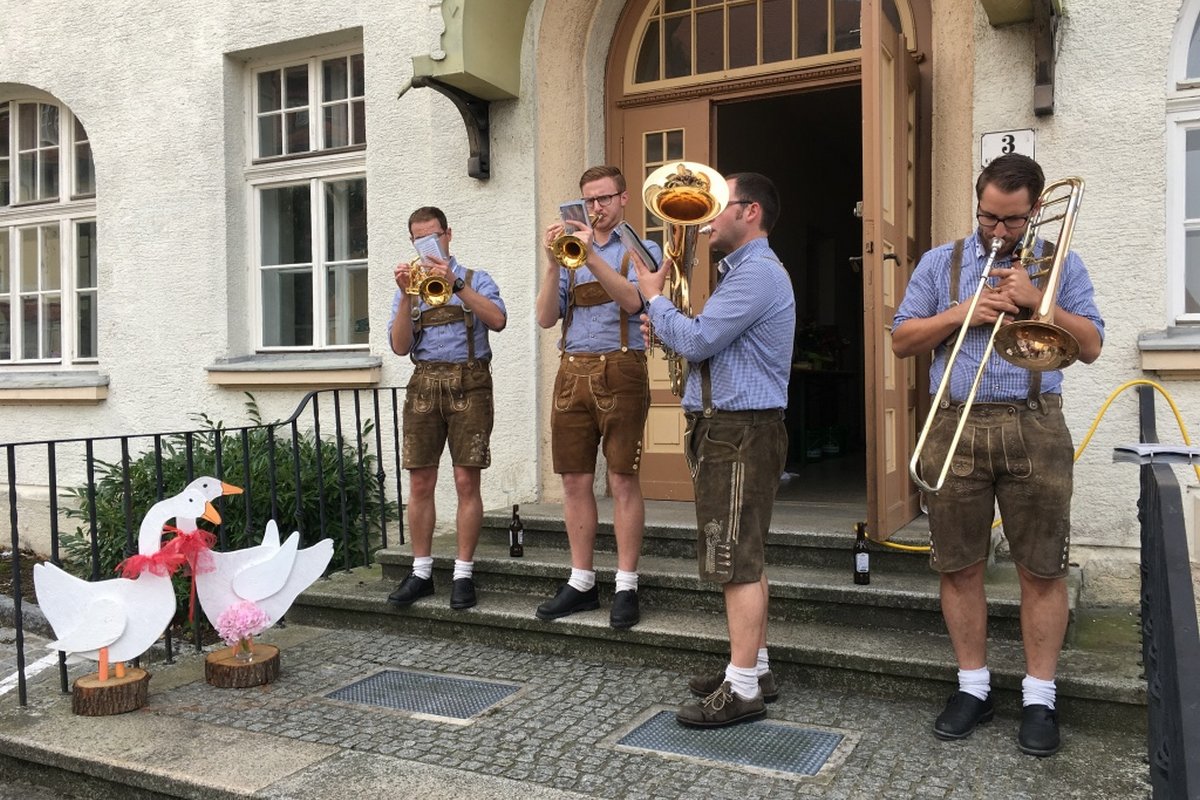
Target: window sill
37, 388
1173, 353
296, 370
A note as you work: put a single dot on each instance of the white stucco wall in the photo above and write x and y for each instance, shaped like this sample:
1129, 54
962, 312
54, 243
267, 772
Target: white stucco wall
161, 92
1108, 127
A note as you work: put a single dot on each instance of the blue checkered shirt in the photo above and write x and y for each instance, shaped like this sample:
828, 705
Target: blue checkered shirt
928, 294
449, 342
597, 329
745, 330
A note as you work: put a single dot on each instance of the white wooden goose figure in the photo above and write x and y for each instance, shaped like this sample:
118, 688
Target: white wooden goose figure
270, 574
117, 619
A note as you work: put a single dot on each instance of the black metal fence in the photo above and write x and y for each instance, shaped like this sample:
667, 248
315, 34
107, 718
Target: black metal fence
323, 471
1170, 640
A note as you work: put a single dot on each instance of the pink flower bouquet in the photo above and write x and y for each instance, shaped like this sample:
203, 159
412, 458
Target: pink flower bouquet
238, 623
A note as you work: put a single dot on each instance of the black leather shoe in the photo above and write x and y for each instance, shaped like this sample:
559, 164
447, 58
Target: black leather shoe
568, 600
962, 714
410, 590
1039, 731
624, 612
462, 593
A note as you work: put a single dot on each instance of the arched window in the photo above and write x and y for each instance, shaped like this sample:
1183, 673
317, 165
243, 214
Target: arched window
1183, 169
682, 42
48, 266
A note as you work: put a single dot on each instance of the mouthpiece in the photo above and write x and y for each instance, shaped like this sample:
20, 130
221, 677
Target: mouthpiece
707, 229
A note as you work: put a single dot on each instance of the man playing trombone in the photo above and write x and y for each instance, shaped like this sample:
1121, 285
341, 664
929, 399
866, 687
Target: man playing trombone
1014, 449
601, 394
449, 398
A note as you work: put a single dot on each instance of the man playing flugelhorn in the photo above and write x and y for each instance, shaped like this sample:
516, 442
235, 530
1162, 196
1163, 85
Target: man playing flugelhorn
601, 395
449, 398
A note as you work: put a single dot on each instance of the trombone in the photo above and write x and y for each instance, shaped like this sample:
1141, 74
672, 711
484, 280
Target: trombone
1035, 344
432, 289
684, 195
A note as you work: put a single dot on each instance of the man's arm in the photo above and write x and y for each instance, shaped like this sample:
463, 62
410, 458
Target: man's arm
485, 302
546, 308
400, 330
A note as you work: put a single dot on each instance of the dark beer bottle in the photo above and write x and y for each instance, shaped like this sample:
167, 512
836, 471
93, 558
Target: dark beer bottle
862, 558
516, 535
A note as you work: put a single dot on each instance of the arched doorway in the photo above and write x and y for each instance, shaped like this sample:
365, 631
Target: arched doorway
824, 97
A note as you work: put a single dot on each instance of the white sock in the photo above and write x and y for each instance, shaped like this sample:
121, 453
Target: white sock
423, 566
1035, 691
582, 579
463, 569
626, 581
764, 664
742, 681
975, 682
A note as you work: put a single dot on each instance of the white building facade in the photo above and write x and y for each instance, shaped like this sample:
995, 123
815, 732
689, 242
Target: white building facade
202, 200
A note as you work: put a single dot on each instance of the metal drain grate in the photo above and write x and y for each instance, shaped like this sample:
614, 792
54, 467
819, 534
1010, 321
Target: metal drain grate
776, 746
425, 693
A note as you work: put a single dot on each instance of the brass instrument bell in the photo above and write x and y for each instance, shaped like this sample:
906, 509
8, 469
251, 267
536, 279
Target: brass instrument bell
569, 250
432, 289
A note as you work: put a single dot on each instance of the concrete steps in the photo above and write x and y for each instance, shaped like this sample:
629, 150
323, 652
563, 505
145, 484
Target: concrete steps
886, 638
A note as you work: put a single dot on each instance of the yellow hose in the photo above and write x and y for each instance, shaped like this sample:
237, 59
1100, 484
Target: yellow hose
924, 548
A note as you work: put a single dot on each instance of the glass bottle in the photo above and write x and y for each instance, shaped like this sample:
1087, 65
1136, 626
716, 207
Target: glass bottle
862, 557
516, 535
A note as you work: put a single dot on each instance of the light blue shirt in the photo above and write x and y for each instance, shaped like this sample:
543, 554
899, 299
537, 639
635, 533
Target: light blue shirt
928, 294
449, 342
597, 329
745, 330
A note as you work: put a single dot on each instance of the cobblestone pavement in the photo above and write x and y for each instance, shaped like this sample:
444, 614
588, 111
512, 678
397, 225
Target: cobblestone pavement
557, 732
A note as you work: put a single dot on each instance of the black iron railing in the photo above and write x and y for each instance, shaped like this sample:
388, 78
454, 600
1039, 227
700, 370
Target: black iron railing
1170, 640
323, 471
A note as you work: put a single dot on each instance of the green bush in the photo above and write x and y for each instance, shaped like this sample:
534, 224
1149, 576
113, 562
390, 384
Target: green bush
317, 480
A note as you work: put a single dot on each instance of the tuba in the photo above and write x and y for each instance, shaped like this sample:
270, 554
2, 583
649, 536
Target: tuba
684, 195
432, 289
1035, 344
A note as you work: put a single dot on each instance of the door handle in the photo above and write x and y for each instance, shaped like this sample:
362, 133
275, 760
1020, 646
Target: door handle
856, 263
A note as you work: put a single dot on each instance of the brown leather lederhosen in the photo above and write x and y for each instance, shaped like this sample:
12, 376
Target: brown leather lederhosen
592, 294
445, 315
1035, 378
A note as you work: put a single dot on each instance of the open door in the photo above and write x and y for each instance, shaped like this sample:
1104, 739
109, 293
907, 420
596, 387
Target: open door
889, 250
653, 136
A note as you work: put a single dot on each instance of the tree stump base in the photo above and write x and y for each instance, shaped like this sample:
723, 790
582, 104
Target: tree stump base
223, 669
91, 697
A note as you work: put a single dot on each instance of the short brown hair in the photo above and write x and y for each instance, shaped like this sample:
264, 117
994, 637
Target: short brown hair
426, 213
598, 173
758, 188
1012, 172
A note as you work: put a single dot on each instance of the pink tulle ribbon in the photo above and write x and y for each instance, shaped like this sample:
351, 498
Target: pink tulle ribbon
193, 547
163, 563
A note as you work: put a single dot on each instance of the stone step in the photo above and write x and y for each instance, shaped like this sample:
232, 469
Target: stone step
1098, 683
901, 601
810, 534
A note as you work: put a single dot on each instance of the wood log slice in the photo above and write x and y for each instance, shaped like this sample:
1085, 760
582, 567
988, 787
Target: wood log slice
223, 669
91, 697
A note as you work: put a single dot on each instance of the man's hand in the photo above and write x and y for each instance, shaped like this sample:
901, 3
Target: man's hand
647, 331
402, 273
439, 267
991, 305
651, 283
1015, 284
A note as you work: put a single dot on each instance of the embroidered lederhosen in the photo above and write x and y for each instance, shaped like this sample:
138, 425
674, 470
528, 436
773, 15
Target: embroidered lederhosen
592, 294
445, 315
1035, 378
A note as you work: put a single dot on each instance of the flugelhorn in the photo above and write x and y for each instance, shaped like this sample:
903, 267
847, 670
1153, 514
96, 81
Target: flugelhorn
569, 250
1035, 344
432, 289
684, 195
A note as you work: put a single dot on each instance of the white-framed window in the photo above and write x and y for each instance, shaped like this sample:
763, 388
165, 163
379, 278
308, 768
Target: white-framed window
308, 191
1183, 170
48, 253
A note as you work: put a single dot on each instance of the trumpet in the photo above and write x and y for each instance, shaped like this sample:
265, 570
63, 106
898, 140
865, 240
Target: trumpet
569, 250
685, 195
1036, 344
432, 289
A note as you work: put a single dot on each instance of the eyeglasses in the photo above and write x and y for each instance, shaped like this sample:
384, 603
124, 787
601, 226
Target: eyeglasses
1011, 223
740, 203
602, 200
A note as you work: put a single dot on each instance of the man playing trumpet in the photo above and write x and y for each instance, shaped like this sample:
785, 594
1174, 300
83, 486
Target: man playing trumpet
449, 398
601, 394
